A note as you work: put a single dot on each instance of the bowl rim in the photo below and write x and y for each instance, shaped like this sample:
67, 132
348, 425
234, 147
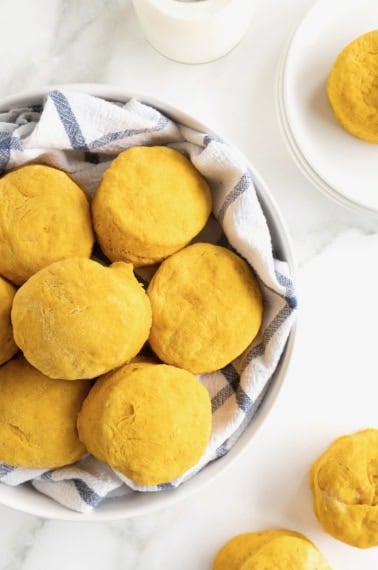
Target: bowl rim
48, 508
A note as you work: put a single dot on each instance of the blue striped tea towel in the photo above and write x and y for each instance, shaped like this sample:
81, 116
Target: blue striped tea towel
81, 134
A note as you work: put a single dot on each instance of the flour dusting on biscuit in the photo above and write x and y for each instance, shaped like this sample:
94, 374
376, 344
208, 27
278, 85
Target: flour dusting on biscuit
151, 422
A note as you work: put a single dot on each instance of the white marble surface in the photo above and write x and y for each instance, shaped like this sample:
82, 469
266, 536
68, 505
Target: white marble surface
331, 386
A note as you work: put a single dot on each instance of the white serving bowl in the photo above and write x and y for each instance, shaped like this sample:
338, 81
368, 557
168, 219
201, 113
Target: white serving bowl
25, 498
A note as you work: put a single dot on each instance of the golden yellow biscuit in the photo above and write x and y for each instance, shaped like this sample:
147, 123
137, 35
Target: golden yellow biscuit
150, 422
8, 347
344, 482
44, 217
78, 319
206, 308
236, 551
287, 553
38, 417
150, 203
353, 87
278, 549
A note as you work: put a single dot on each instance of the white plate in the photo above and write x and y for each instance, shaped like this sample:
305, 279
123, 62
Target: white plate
297, 155
345, 166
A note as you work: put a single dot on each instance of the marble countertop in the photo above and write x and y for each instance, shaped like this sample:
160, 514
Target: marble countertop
330, 387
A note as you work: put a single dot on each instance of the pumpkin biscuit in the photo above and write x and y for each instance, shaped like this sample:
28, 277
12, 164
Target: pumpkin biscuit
353, 87
206, 308
78, 319
150, 422
279, 549
44, 217
38, 417
344, 482
150, 203
8, 347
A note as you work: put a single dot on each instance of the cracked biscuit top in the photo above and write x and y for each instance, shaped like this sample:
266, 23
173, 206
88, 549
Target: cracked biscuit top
344, 482
270, 549
78, 319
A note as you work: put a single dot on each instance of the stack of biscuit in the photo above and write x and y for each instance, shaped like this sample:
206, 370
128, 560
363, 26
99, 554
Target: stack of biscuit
80, 324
